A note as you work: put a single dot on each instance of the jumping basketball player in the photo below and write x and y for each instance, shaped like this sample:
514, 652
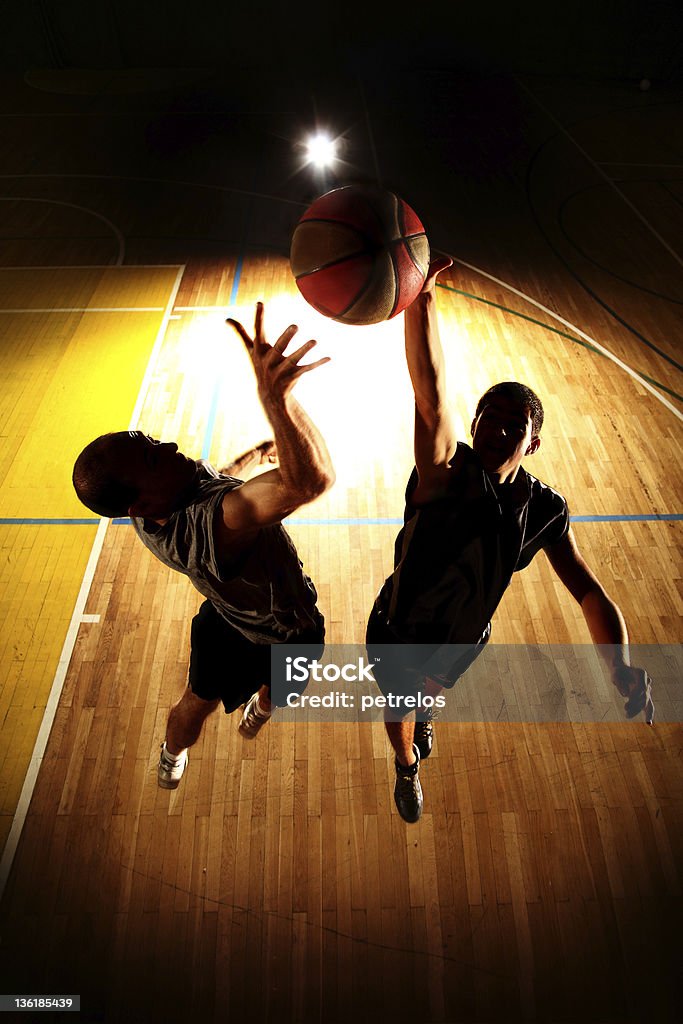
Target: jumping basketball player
227, 537
473, 517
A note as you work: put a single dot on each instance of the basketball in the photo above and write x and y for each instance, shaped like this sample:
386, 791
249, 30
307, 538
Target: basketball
359, 254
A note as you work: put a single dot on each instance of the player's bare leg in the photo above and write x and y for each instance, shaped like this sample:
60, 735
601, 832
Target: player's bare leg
401, 735
185, 723
186, 720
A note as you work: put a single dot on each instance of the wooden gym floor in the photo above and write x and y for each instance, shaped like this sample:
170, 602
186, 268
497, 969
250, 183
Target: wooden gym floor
278, 883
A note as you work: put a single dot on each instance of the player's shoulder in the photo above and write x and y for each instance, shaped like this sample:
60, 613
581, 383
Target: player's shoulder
542, 492
211, 483
547, 505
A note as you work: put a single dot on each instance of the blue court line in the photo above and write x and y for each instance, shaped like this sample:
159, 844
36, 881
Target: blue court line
653, 517
649, 517
51, 522
213, 412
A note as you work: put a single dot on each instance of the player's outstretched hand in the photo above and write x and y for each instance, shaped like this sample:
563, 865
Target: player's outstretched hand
438, 264
276, 373
636, 685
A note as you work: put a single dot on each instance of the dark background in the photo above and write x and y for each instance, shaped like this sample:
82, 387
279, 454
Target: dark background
431, 104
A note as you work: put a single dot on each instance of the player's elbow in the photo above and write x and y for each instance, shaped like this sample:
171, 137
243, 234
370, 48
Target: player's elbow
328, 478
301, 492
318, 484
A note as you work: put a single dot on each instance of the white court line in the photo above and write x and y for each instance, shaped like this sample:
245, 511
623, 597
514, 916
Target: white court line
598, 168
582, 334
200, 309
77, 618
87, 309
74, 206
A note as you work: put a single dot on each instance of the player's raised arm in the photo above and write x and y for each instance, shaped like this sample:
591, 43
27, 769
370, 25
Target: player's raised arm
305, 469
435, 439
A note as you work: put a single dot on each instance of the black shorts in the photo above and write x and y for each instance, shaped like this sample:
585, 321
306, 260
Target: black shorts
225, 666
403, 668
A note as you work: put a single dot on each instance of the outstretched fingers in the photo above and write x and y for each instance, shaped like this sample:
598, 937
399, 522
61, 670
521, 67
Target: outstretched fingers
285, 338
242, 333
258, 322
258, 338
300, 352
312, 366
270, 360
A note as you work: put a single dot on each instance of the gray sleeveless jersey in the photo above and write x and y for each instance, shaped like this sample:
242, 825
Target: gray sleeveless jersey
263, 592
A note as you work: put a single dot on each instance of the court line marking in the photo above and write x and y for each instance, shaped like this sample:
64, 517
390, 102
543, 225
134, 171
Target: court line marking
582, 334
616, 518
87, 309
593, 517
75, 206
77, 619
627, 163
547, 327
205, 309
163, 181
496, 305
93, 266
213, 411
9, 521
603, 174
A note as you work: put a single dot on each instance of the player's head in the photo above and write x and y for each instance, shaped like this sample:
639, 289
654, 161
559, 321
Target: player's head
506, 425
129, 472
518, 394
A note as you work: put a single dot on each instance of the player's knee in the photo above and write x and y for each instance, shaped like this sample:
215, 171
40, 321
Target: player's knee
193, 707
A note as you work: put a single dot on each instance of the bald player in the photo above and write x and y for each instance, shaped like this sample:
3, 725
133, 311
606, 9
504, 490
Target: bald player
227, 536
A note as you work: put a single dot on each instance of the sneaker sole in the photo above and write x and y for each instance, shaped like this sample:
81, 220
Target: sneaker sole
163, 784
171, 783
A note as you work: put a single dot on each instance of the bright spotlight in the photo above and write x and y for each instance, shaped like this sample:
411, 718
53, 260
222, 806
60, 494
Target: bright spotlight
321, 150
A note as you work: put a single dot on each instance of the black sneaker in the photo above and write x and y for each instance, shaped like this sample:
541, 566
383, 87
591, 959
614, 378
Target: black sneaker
424, 735
408, 791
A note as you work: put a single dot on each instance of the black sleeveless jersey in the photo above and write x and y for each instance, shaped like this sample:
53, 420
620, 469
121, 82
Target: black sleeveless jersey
455, 556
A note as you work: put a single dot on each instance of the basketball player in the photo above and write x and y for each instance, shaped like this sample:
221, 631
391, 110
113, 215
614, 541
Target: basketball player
227, 537
473, 516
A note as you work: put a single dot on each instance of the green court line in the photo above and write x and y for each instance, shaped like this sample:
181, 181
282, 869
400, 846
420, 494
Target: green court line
554, 330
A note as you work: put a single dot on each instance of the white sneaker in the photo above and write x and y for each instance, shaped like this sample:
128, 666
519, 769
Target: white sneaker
253, 718
169, 774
